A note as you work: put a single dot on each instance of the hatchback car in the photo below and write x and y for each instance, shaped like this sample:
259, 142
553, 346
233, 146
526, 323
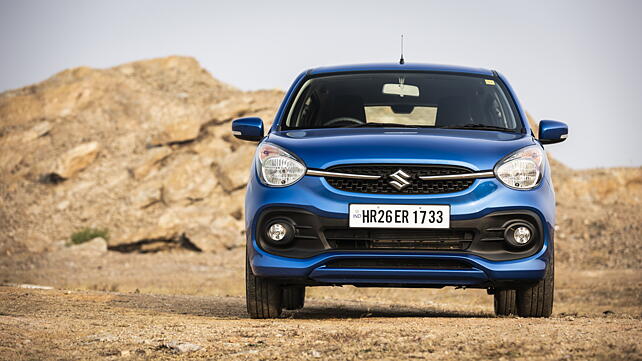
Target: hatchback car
400, 175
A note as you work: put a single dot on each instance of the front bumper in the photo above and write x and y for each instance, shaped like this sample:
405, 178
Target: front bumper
484, 197
481, 274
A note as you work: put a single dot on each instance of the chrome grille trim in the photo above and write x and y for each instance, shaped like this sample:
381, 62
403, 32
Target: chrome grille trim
320, 173
474, 175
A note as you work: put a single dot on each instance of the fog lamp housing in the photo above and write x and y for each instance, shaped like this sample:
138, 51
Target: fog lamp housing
279, 232
519, 234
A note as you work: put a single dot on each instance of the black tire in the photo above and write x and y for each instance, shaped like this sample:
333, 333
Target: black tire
263, 296
537, 300
505, 302
293, 297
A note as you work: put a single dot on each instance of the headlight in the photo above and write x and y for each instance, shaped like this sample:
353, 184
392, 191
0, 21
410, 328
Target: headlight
278, 168
522, 169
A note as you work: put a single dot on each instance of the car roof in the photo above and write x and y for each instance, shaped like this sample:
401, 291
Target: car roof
399, 67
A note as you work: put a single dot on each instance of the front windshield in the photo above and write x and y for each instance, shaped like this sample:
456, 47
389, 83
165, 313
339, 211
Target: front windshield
402, 100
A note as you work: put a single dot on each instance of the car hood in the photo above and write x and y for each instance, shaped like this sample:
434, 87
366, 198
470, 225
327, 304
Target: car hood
475, 149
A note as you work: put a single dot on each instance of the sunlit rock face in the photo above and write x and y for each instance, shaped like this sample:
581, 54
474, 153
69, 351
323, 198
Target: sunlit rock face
142, 149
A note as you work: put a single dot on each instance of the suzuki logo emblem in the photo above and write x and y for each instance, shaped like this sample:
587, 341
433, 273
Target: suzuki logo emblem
399, 179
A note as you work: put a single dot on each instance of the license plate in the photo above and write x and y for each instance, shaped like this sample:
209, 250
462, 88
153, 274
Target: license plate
399, 216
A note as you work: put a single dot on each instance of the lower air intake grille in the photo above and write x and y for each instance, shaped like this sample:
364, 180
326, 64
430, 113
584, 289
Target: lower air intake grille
428, 239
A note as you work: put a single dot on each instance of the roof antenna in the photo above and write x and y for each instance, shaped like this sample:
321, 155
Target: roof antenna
401, 61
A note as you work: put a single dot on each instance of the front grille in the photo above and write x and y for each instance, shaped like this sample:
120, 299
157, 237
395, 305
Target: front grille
396, 263
384, 239
382, 185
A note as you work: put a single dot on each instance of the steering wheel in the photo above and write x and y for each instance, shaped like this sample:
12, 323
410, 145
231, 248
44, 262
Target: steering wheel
344, 119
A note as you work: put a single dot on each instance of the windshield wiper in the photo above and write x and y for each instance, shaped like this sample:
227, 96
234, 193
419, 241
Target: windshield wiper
381, 125
477, 127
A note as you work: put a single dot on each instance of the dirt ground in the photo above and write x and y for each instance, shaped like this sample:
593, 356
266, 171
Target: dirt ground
152, 306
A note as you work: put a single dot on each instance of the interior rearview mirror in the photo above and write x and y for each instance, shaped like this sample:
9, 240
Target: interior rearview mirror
551, 131
248, 128
401, 89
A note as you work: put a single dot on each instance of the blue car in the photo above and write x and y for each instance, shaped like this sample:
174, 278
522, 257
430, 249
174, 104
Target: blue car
400, 175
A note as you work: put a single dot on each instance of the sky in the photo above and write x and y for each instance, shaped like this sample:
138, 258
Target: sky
575, 61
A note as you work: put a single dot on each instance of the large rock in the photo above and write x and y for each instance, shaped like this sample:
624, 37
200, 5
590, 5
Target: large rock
146, 194
76, 159
188, 178
213, 148
9, 161
223, 233
92, 248
179, 130
146, 233
27, 136
181, 347
152, 158
206, 227
233, 171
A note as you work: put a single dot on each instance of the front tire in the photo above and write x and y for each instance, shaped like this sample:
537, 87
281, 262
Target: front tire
293, 297
262, 295
537, 300
505, 302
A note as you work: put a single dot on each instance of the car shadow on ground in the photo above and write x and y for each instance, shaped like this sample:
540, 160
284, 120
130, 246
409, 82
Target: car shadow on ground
338, 310
234, 308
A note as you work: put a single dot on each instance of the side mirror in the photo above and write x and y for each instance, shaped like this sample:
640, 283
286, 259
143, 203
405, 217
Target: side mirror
248, 128
551, 131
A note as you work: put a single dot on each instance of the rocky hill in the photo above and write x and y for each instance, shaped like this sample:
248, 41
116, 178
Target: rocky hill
144, 151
